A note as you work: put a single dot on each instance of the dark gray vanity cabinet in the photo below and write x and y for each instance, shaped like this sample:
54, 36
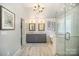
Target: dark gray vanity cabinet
36, 38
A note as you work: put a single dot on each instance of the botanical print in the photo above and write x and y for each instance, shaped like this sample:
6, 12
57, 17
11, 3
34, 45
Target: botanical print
49, 25
8, 20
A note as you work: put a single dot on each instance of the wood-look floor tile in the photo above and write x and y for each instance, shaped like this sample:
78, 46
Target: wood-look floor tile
38, 50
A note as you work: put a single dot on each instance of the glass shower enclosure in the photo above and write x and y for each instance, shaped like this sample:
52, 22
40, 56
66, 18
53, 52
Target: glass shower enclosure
68, 31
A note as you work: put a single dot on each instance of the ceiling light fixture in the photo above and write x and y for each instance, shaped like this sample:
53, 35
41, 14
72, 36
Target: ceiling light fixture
38, 9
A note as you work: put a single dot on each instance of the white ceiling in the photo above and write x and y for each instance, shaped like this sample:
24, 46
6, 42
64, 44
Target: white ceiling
51, 9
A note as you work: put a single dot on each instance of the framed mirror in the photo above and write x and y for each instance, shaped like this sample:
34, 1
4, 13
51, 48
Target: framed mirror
41, 27
31, 26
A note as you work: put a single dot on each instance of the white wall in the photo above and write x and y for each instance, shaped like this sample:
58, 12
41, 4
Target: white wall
10, 39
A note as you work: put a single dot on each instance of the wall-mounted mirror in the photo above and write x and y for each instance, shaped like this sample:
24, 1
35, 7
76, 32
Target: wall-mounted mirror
41, 26
32, 26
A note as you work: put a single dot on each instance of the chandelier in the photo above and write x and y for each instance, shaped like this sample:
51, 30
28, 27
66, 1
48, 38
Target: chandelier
38, 9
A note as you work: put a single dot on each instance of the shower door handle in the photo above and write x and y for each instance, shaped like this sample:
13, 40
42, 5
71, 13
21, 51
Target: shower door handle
67, 36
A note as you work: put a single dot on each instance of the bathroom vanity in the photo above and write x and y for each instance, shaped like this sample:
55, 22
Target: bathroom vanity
36, 38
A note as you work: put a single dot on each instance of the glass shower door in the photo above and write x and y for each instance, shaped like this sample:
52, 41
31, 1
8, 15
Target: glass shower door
68, 31
72, 30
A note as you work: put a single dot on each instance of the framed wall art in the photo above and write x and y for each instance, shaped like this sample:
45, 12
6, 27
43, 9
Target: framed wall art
49, 25
7, 19
41, 26
31, 26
